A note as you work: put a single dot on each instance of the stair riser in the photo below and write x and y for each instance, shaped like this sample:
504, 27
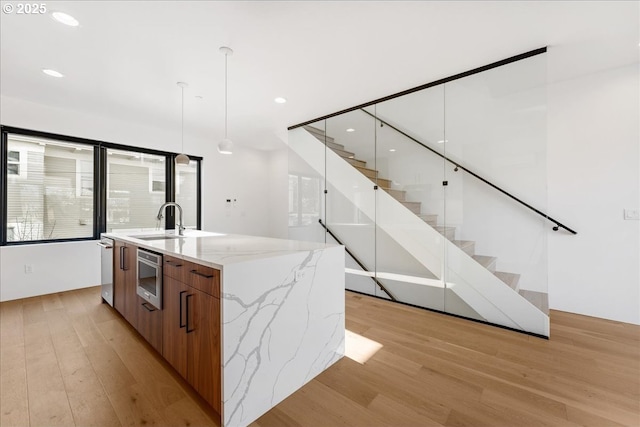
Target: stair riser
432, 220
384, 183
413, 206
399, 195
344, 154
356, 162
449, 233
318, 133
368, 172
487, 262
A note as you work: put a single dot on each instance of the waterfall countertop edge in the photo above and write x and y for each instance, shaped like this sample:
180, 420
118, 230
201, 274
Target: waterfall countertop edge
215, 249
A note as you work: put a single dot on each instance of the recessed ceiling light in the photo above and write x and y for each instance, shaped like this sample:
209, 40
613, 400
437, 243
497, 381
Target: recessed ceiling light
351, 130
52, 73
280, 100
392, 149
443, 141
65, 19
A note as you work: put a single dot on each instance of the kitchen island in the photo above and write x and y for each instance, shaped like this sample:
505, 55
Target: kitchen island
245, 320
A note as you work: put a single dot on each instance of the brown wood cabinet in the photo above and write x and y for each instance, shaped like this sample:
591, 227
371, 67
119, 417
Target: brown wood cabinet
149, 323
203, 345
174, 337
125, 298
191, 326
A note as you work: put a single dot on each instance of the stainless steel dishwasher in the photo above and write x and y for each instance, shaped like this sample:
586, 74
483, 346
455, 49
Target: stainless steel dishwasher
106, 273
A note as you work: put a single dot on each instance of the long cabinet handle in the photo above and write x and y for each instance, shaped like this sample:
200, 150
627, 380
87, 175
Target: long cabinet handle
206, 276
122, 258
173, 263
181, 325
188, 311
146, 305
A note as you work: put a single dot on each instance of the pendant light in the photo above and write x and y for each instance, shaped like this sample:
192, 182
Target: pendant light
182, 159
225, 146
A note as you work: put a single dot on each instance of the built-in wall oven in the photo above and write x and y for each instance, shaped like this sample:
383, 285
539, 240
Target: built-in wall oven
149, 281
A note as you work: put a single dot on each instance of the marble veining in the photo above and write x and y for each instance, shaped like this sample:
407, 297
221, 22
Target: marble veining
283, 334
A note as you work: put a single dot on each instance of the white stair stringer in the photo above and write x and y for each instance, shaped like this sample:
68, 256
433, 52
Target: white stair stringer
490, 297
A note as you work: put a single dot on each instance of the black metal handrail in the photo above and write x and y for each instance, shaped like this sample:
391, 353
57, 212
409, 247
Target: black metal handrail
457, 165
357, 260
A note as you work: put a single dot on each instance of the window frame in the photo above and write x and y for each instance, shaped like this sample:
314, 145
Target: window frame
99, 182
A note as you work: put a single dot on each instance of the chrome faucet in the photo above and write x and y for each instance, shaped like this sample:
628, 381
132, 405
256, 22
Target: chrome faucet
180, 224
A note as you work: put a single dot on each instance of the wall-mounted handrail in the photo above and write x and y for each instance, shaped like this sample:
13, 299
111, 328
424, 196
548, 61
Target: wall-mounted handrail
385, 290
557, 223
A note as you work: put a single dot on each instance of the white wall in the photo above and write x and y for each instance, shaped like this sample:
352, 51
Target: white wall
278, 193
244, 176
56, 267
593, 167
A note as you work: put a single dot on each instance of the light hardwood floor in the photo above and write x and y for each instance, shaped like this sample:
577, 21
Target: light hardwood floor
66, 359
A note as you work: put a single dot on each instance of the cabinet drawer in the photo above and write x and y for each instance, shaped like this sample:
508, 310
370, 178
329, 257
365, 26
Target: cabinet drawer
174, 268
205, 279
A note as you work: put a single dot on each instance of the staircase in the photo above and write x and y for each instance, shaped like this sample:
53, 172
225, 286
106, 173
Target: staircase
538, 299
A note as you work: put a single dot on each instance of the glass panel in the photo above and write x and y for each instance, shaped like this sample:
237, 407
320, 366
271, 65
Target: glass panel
307, 184
410, 246
135, 190
351, 214
187, 192
50, 189
496, 127
433, 234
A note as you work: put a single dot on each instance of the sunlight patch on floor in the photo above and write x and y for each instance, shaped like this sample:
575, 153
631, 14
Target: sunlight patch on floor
359, 348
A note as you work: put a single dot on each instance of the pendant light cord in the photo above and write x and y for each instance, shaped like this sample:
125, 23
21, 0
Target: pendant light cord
226, 84
182, 127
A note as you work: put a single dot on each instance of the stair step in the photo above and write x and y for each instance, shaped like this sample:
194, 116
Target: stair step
334, 146
369, 173
488, 262
356, 162
413, 206
539, 299
399, 195
344, 154
468, 246
319, 134
431, 219
384, 183
448, 232
510, 279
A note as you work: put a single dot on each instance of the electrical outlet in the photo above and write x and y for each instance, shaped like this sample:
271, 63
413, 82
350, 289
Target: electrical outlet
632, 214
28, 269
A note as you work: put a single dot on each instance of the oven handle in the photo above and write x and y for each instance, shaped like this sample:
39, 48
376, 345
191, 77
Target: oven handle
150, 263
187, 300
145, 305
181, 325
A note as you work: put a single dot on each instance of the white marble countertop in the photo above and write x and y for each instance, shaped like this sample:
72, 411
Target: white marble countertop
215, 249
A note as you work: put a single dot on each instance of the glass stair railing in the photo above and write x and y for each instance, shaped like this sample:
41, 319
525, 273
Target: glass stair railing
484, 294
427, 190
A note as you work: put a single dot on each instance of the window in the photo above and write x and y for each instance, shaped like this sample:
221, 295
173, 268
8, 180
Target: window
304, 200
56, 188
132, 197
187, 190
13, 163
44, 199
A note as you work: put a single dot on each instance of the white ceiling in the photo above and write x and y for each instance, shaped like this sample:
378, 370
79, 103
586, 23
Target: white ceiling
126, 57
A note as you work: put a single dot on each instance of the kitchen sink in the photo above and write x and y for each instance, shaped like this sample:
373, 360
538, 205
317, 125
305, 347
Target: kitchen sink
157, 237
